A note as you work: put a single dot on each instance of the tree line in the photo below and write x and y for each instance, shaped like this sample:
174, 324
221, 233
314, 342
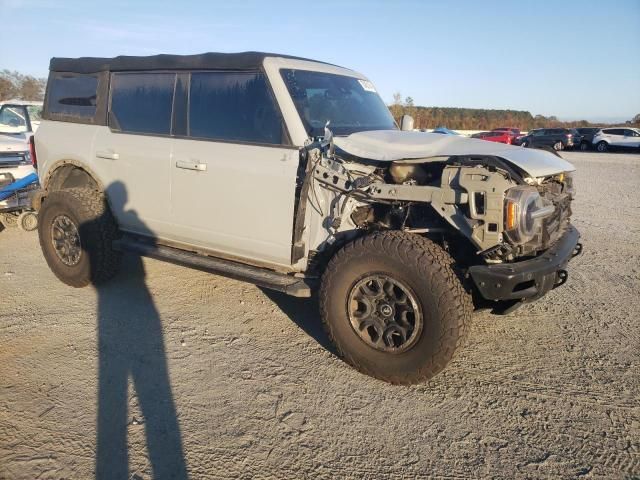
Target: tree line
22, 87
481, 118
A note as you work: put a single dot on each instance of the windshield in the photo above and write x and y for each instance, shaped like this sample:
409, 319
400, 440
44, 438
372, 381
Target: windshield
13, 119
350, 104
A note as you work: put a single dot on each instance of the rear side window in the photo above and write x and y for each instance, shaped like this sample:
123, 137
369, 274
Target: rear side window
142, 102
233, 106
73, 95
614, 131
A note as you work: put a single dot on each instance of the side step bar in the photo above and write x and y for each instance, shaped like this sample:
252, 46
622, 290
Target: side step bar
297, 287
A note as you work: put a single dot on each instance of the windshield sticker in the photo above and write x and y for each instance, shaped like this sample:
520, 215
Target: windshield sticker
367, 86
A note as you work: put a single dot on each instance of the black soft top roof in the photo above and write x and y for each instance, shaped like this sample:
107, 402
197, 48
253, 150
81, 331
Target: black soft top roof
218, 61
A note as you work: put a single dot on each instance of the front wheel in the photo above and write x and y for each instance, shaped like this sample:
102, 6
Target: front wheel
557, 146
602, 146
524, 144
76, 231
394, 307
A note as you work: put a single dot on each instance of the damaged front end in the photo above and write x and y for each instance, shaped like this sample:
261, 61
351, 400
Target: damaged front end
491, 215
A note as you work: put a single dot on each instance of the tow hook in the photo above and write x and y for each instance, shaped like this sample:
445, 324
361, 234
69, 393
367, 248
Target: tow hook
561, 278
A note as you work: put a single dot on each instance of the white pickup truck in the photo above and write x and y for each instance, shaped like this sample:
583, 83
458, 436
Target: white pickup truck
18, 122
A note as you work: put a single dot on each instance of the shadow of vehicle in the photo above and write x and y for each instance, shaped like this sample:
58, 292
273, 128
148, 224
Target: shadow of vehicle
131, 346
304, 312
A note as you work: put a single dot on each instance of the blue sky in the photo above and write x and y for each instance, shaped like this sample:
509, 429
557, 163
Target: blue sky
573, 59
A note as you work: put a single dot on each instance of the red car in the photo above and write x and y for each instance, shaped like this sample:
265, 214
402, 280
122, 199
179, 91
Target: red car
515, 132
496, 136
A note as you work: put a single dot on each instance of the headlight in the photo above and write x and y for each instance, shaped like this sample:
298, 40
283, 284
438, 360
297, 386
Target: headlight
524, 210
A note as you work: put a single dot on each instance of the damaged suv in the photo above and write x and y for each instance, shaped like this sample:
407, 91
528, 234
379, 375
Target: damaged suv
292, 174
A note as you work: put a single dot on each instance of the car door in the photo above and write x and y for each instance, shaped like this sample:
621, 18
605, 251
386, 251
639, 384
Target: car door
616, 137
233, 172
551, 136
537, 138
631, 138
133, 152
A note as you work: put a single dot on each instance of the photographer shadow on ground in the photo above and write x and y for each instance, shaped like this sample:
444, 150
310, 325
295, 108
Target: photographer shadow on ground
131, 346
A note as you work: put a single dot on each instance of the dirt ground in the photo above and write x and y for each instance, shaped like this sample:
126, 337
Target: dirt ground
190, 373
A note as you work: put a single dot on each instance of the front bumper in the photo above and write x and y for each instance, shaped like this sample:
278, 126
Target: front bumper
529, 279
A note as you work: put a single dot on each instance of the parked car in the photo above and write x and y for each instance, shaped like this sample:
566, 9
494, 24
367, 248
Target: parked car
291, 174
513, 132
16, 162
609, 138
587, 134
500, 136
556, 138
444, 131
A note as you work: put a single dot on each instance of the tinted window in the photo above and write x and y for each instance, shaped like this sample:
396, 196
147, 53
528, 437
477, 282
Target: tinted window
141, 102
233, 106
631, 133
615, 131
73, 95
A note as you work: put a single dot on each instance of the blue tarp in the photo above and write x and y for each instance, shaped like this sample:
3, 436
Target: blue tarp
8, 190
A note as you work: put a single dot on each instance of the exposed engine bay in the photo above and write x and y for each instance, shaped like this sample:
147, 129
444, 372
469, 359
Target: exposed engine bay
484, 207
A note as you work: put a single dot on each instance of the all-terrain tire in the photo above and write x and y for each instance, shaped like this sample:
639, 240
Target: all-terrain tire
97, 229
429, 272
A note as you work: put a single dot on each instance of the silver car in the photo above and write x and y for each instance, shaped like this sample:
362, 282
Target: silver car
292, 174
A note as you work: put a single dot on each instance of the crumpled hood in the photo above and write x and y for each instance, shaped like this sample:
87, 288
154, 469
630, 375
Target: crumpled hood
391, 145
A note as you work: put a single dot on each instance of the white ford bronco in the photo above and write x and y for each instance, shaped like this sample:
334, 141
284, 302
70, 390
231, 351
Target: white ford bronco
292, 174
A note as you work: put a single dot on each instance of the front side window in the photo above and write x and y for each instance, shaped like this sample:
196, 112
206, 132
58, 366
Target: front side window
350, 105
142, 102
233, 106
73, 95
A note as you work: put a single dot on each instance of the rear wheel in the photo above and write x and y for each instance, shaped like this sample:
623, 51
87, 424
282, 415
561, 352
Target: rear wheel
76, 231
394, 307
602, 146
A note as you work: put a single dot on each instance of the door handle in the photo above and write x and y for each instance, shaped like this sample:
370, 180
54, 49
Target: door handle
191, 165
109, 155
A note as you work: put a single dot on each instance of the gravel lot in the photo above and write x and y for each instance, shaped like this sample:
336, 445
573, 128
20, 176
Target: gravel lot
185, 371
